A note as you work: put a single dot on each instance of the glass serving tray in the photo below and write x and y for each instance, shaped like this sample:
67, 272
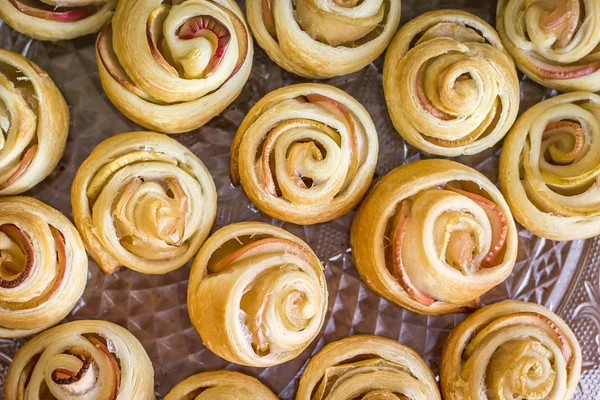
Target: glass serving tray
562, 276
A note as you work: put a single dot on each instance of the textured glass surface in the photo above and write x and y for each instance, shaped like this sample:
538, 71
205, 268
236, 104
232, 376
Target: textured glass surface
563, 276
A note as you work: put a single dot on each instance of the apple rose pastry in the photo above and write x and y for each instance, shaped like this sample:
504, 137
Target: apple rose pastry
305, 153
56, 19
550, 166
367, 367
553, 41
450, 87
43, 266
257, 294
81, 360
511, 350
433, 236
143, 201
34, 123
220, 385
323, 38
173, 67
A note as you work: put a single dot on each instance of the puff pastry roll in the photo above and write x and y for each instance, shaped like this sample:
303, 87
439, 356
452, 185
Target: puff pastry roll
84, 360
553, 41
143, 201
323, 38
173, 67
56, 19
511, 350
257, 294
450, 87
434, 235
550, 164
34, 123
43, 266
305, 153
367, 367
219, 385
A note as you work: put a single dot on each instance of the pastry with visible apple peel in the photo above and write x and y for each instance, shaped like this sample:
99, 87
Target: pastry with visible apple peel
257, 294
370, 368
85, 359
450, 87
56, 19
143, 201
550, 165
218, 385
511, 350
321, 39
554, 42
433, 236
34, 124
173, 67
305, 153
43, 266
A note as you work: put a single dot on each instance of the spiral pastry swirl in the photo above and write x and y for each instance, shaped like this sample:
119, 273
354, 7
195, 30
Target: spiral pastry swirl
143, 201
555, 42
43, 266
56, 19
173, 67
511, 350
323, 38
366, 367
305, 153
34, 124
84, 360
266, 290
550, 165
450, 87
433, 236
220, 385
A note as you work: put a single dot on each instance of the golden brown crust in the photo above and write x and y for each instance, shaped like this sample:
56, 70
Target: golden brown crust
218, 385
143, 201
84, 359
549, 167
172, 68
257, 294
450, 86
305, 153
323, 38
43, 266
369, 366
34, 124
553, 42
511, 349
433, 236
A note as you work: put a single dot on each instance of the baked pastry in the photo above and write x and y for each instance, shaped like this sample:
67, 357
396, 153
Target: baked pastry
171, 68
56, 19
305, 153
43, 266
81, 360
257, 294
450, 87
367, 367
555, 42
34, 123
433, 236
511, 350
323, 38
218, 385
550, 164
143, 201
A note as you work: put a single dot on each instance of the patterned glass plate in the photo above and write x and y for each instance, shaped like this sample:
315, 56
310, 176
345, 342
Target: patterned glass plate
562, 276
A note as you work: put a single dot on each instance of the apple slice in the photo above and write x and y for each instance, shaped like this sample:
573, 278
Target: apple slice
433, 110
17, 235
399, 223
558, 156
73, 15
564, 20
268, 18
154, 36
63, 376
549, 71
25, 161
209, 27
